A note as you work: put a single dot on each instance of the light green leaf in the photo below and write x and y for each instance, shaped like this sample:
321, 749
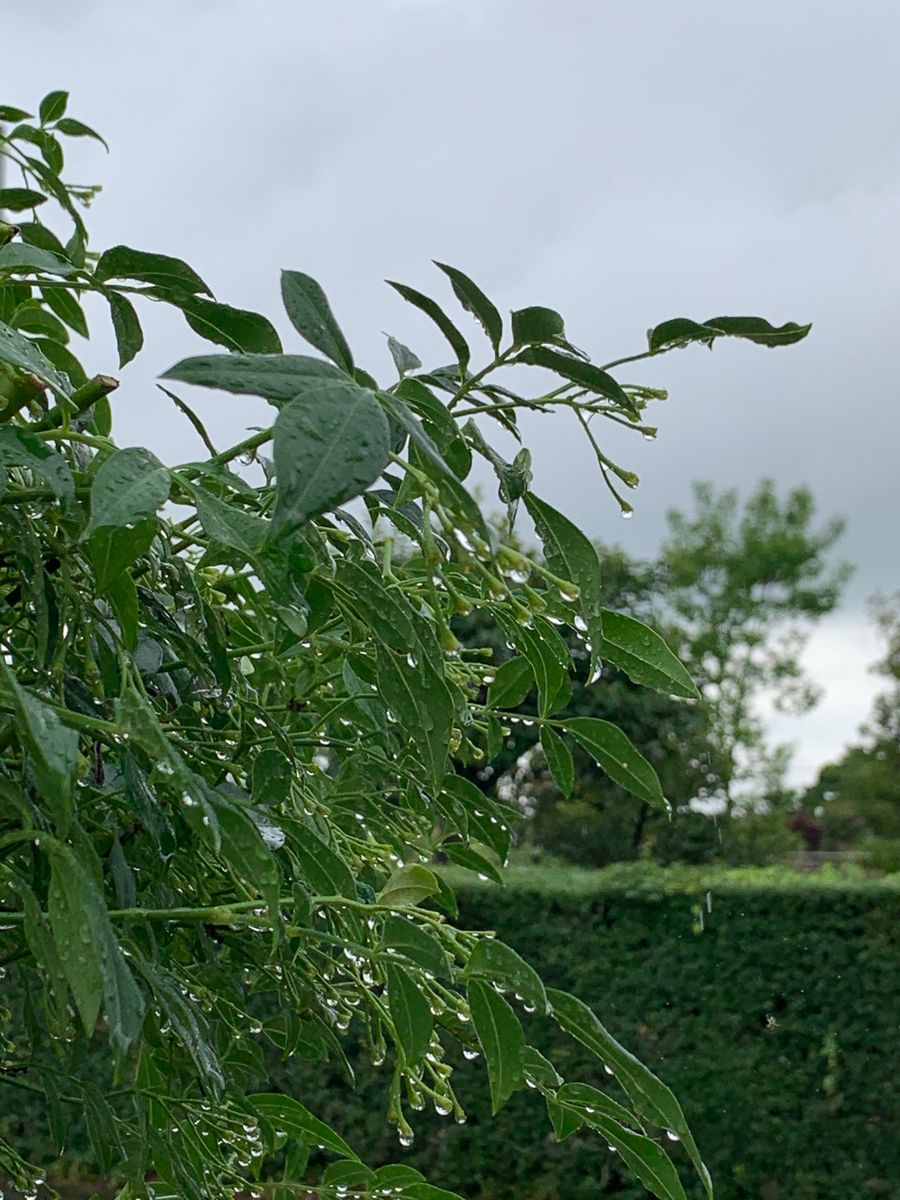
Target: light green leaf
426, 305
129, 486
309, 312
559, 759
159, 270
330, 444
404, 359
615, 754
408, 885
410, 1013
502, 1041
501, 964
644, 656
649, 1096
283, 1112
473, 300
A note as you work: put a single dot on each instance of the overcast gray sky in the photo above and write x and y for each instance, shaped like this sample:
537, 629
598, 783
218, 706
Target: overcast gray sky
622, 162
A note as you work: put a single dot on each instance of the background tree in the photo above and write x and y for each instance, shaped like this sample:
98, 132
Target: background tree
742, 584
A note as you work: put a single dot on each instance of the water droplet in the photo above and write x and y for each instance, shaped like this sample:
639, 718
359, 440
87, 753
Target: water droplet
407, 1137
580, 624
672, 1135
627, 514
470, 1054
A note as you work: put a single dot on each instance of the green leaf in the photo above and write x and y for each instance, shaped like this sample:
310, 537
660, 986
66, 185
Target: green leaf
536, 324
126, 326
421, 701
20, 351
328, 874
573, 557
113, 551
52, 748
681, 331
593, 1101
546, 652
615, 754
410, 1013
473, 300
18, 448
565, 1121
90, 954
101, 1126
235, 328
649, 1096
512, 682
250, 860
502, 1041
227, 523
465, 856
408, 886
482, 815
53, 106
16, 256
643, 1157
404, 359
578, 371
129, 486
18, 199
559, 759
64, 304
426, 305
186, 1020
285, 1113
159, 270
275, 377
310, 313
644, 656
397, 1175
9, 113
415, 943
501, 964
330, 444
122, 595
347, 1175
72, 128
271, 777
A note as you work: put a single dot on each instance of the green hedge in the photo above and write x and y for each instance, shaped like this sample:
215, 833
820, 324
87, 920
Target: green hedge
774, 1015
768, 1000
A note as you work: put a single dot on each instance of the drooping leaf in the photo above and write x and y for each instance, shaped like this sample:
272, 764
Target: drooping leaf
502, 1041
310, 313
129, 486
113, 550
645, 1158
559, 759
473, 300
229, 524
325, 870
72, 128
126, 326
159, 270
615, 754
644, 656
465, 856
330, 444
578, 371
495, 961
410, 1013
404, 359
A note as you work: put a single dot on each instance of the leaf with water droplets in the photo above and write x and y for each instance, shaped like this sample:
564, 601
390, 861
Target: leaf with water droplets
428, 306
473, 300
502, 1041
310, 313
415, 943
559, 759
499, 963
283, 1112
644, 656
130, 485
612, 750
410, 1013
408, 886
52, 749
512, 682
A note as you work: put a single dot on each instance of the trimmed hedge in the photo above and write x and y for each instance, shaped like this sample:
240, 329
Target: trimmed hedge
768, 1000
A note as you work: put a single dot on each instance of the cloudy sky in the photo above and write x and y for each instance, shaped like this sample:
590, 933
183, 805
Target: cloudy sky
622, 162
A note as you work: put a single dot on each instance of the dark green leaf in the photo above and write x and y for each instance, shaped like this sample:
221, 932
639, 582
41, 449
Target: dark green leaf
649, 1096
235, 328
644, 656
578, 371
644, 1158
122, 594
113, 551
473, 300
680, 331
615, 754
593, 1101
101, 1125
127, 327
426, 305
421, 701
501, 1039
16, 256
20, 351
65, 305
229, 524
122, 262
310, 313
53, 106
18, 448
271, 777
9, 113
275, 377
512, 682
250, 860
328, 874
536, 324
72, 128
330, 444
410, 1013
500, 964
285, 1113
465, 856
17, 199
415, 943
52, 748
130, 485
565, 1121
559, 759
